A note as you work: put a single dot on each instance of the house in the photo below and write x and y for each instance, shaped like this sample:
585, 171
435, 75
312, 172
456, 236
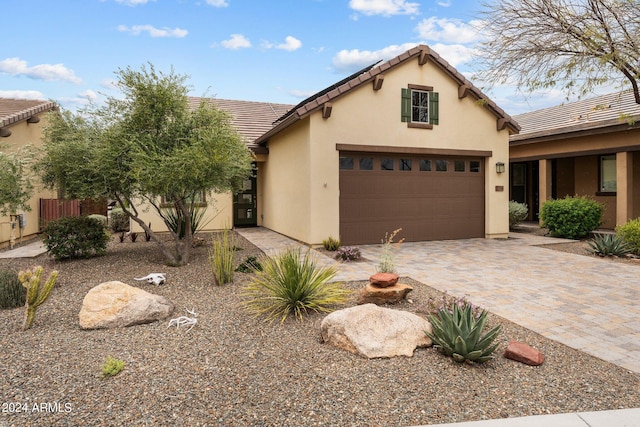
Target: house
581, 148
21, 124
409, 143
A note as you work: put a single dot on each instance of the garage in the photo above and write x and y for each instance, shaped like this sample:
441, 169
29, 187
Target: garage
430, 196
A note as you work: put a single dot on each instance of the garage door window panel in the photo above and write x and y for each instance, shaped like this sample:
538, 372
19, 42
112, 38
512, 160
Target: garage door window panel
386, 164
346, 163
442, 165
459, 166
366, 163
474, 166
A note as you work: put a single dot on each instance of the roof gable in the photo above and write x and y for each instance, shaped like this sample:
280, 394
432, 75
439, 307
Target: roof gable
423, 54
593, 115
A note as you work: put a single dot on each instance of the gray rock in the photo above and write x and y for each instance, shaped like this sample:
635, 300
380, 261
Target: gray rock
372, 331
116, 304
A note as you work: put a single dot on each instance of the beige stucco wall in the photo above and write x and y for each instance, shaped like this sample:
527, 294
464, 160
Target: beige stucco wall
22, 134
301, 173
219, 215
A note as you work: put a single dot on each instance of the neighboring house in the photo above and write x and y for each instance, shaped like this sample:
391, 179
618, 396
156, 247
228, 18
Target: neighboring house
409, 143
583, 148
21, 123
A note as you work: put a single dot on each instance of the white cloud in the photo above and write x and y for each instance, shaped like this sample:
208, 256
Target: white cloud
302, 94
22, 94
89, 95
454, 54
133, 2
290, 44
217, 3
153, 31
449, 30
237, 41
384, 7
444, 3
47, 72
109, 84
353, 60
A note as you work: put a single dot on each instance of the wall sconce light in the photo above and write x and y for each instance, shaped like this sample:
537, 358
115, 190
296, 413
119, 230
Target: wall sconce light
500, 168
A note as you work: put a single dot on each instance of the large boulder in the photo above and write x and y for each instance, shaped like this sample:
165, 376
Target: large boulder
372, 331
116, 304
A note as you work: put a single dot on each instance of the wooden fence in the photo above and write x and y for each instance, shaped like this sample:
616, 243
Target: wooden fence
51, 209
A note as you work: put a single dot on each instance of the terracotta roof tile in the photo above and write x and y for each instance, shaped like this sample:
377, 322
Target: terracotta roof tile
613, 109
251, 119
15, 110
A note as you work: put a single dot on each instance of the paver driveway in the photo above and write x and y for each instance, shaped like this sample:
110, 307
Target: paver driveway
586, 303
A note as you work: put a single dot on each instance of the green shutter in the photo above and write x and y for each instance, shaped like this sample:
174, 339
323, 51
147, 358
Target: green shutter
406, 105
433, 108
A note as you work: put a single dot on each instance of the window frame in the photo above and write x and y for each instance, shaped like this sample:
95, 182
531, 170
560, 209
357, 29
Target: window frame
432, 106
601, 190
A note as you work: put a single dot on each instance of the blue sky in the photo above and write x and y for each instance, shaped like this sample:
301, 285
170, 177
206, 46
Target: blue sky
257, 50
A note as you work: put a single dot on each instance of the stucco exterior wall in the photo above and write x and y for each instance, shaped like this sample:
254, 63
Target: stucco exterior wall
219, 215
285, 183
368, 117
23, 134
586, 184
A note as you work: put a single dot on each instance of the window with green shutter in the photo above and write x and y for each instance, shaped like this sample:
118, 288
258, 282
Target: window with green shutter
419, 106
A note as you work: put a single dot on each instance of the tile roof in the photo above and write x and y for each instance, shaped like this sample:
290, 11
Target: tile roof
366, 75
15, 110
593, 114
251, 119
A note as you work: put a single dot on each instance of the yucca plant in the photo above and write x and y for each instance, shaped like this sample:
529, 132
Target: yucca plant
292, 283
609, 245
331, 244
458, 334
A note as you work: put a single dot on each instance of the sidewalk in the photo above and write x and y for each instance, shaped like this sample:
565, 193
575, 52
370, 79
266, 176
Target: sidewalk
28, 250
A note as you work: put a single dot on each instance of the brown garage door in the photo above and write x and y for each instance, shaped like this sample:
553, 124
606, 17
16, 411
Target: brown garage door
430, 197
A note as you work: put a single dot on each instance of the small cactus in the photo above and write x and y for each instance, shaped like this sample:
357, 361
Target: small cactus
36, 294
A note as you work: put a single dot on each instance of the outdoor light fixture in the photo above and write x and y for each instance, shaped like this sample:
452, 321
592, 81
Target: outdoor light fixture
500, 167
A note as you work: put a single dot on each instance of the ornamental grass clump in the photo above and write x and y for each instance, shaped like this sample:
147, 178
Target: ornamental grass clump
387, 262
292, 283
458, 334
221, 257
331, 244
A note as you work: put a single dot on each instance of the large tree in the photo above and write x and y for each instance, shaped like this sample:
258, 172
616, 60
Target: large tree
147, 148
574, 45
16, 187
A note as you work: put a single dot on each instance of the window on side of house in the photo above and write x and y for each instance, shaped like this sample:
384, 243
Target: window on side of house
420, 106
608, 179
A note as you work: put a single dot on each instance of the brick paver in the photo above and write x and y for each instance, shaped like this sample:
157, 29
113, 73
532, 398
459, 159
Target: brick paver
587, 303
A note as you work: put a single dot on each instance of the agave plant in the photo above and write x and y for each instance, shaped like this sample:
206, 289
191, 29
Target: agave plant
609, 244
458, 334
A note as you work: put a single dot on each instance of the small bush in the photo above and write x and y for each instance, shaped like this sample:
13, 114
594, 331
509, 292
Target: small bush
331, 244
250, 265
221, 257
517, 213
118, 220
348, 253
630, 233
12, 293
101, 218
387, 263
609, 245
75, 237
112, 367
571, 217
291, 283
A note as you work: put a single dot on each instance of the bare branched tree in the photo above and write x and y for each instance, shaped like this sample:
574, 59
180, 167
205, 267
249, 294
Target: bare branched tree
574, 45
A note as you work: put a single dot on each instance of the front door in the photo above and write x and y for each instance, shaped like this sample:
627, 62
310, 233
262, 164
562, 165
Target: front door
244, 205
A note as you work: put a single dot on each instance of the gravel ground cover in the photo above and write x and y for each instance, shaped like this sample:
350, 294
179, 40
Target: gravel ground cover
235, 370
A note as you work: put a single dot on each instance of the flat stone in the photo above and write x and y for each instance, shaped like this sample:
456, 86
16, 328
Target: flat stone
523, 353
383, 280
371, 331
371, 294
115, 304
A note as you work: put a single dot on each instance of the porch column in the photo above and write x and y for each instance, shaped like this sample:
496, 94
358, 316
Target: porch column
624, 187
544, 169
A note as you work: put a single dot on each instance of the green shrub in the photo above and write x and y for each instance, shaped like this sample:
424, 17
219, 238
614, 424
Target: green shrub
101, 218
112, 367
517, 213
118, 220
571, 217
630, 233
250, 265
291, 283
348, 253
331, 244
221, 255
177, 222
12, 293
458, 334
75, 237
609, 245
